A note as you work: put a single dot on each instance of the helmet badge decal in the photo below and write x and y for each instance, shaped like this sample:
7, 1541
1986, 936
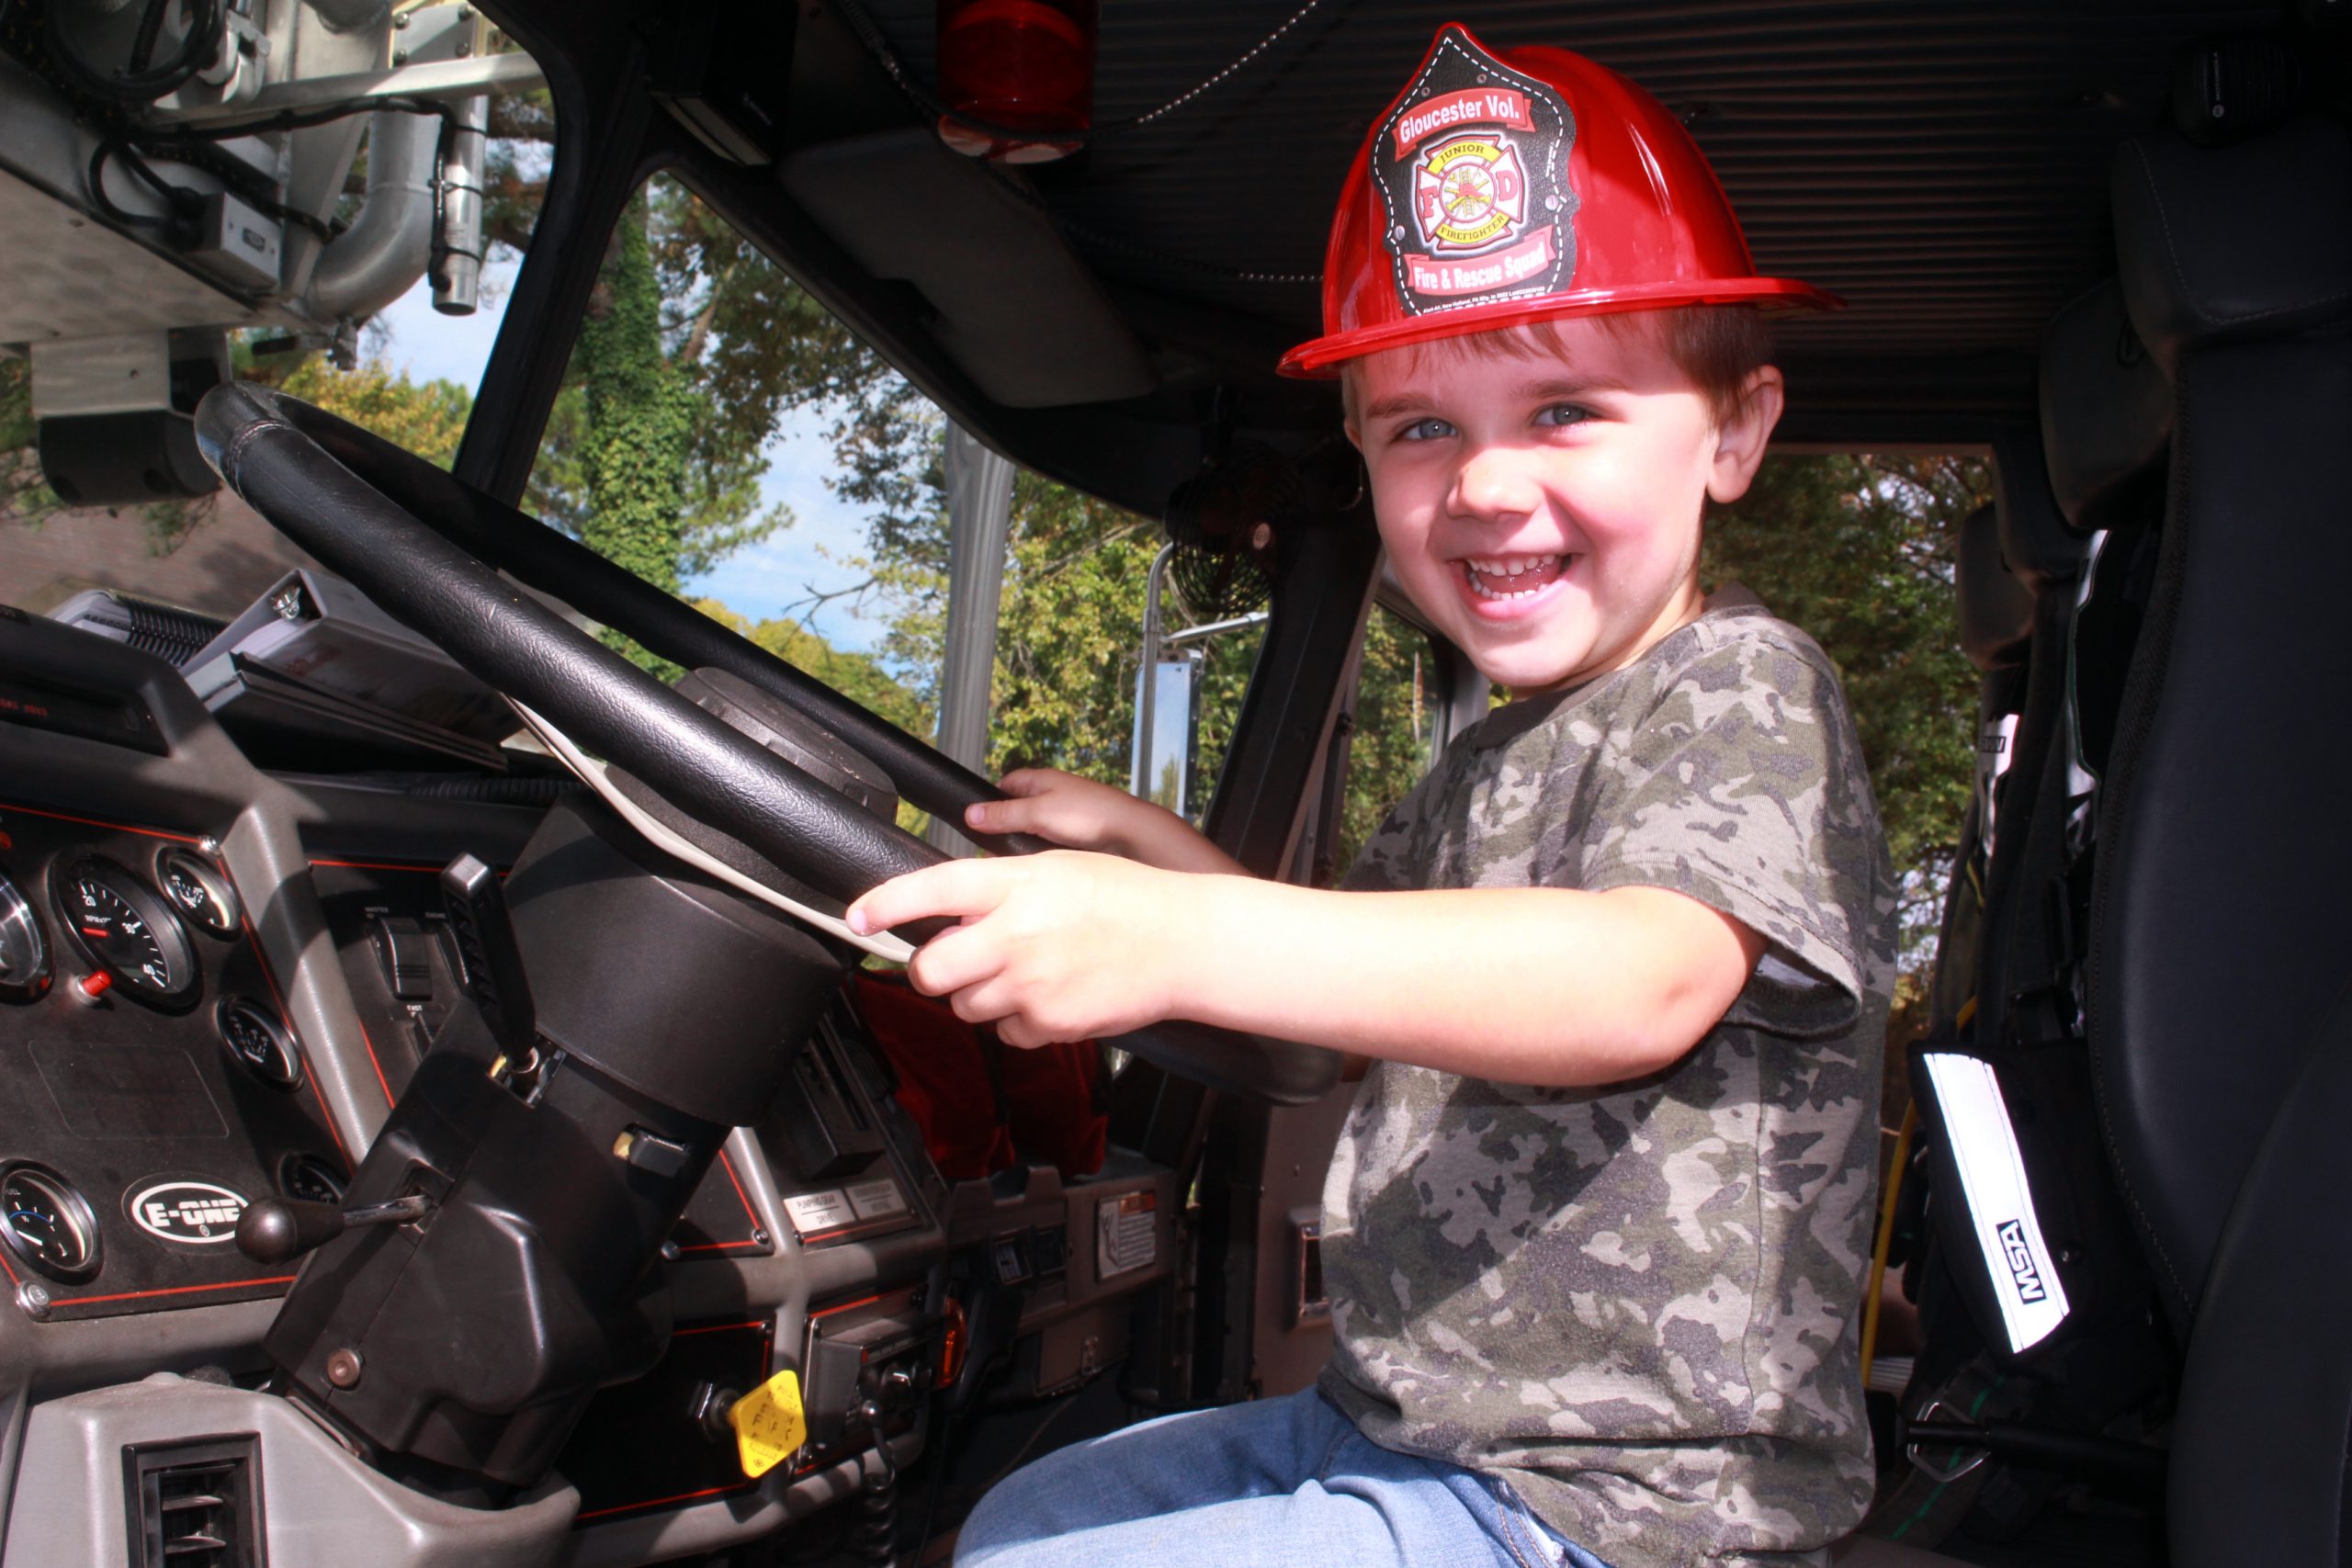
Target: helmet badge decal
1472, 168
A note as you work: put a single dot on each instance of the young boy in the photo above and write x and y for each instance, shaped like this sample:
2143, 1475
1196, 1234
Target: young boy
1595, 1230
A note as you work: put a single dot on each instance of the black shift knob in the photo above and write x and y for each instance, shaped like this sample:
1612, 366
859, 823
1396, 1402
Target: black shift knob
276, 1230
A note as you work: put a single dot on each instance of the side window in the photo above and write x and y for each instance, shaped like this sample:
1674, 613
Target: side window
725, 438
1399, 726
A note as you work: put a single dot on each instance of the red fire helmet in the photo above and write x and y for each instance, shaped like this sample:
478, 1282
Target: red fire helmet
1525, 186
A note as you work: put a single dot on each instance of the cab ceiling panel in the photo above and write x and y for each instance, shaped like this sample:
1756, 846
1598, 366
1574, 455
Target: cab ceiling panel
1943, 168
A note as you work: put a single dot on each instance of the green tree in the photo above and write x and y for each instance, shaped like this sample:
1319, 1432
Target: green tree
428, 418
636, 422
858, 675
1070, 631
1858, 551
1387, 752
25, 496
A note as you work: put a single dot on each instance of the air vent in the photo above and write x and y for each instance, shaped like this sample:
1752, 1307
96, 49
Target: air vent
195, 1505
164, 630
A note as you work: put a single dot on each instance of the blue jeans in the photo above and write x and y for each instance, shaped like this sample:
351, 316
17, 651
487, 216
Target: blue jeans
1283, 1483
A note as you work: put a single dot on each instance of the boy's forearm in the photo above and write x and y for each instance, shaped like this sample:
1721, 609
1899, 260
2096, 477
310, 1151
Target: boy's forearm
1160, 838
1532, 985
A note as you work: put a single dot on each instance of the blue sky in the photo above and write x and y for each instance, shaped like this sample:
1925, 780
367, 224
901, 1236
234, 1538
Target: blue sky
761, 581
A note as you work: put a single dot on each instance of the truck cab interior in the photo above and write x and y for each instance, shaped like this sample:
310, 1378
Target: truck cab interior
433, 1126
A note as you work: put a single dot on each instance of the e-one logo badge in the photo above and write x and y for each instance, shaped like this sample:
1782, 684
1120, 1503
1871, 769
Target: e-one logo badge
2020, 1259
193, 1213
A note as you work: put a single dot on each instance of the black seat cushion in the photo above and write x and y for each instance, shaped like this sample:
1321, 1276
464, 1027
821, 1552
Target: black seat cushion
2258, 1470
2219, 925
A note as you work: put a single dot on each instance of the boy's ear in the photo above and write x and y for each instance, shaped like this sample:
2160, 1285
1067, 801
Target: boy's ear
1741, 438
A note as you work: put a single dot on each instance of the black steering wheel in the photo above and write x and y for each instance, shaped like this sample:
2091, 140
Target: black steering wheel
428, 548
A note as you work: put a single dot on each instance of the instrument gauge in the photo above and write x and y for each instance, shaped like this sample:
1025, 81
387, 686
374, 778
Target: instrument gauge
24, 957
199, 892
127, 929
258, 1042
47, 1224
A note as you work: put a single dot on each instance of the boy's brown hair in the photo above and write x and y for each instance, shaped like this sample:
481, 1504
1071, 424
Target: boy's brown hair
1718, 347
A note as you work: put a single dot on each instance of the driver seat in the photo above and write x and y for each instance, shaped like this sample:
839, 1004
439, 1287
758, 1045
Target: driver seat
2219, 918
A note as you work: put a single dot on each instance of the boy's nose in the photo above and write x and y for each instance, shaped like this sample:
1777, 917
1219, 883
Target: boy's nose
1494, 481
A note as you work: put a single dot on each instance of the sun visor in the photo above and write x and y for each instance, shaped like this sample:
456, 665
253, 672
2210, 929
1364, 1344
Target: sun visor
2217, 244
1017, 310
2106, 411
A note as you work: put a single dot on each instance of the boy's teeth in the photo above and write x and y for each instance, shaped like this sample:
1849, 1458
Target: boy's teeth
1513, 577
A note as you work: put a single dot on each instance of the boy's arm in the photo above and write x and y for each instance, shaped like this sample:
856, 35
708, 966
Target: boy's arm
1084, 815
1530, 986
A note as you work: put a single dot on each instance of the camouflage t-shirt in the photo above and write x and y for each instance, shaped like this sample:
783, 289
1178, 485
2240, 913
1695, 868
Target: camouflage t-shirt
1638, 1304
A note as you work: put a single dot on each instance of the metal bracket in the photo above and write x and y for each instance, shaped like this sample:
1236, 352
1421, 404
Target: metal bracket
364, 89
1962, 1460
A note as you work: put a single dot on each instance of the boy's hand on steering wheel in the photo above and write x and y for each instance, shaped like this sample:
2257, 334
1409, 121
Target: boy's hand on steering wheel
1084, 815
1053, 947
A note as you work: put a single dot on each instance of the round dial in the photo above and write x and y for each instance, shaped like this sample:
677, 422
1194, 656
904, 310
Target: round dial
197, 891
126, 930
310, 1178
48, 1224
259, 1043
24, 957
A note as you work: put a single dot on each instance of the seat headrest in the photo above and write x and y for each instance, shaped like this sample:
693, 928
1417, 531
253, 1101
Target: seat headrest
2106, 410
1995, 608
2228, 242
2035, 540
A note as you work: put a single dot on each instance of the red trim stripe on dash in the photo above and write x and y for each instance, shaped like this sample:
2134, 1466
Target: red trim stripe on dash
715, 1328
172, 1290
732, 1180
662, 1502
372, 1062
95, 822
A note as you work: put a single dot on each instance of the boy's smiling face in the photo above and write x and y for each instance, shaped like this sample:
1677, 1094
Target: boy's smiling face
1542, 506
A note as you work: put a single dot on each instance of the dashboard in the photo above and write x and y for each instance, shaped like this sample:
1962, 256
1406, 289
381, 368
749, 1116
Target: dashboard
217, 981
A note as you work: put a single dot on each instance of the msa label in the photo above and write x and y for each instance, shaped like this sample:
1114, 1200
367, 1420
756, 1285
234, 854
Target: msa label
2017, 1265
2021, 1256
876, 1200
187, 1213
1127, 1233
820, 1212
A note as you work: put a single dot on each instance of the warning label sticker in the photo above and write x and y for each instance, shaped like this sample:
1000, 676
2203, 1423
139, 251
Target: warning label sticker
1127, 1233
812, 1212
873, 1200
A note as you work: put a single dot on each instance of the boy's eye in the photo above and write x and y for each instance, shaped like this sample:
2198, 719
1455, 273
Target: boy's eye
1564, 413
1425, 430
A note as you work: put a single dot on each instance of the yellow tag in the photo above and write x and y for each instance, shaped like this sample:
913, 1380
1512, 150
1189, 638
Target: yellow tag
769, 1427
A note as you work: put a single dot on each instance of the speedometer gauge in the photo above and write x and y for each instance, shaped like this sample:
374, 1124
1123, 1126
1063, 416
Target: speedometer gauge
24, 957
125, 929
47, 1224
